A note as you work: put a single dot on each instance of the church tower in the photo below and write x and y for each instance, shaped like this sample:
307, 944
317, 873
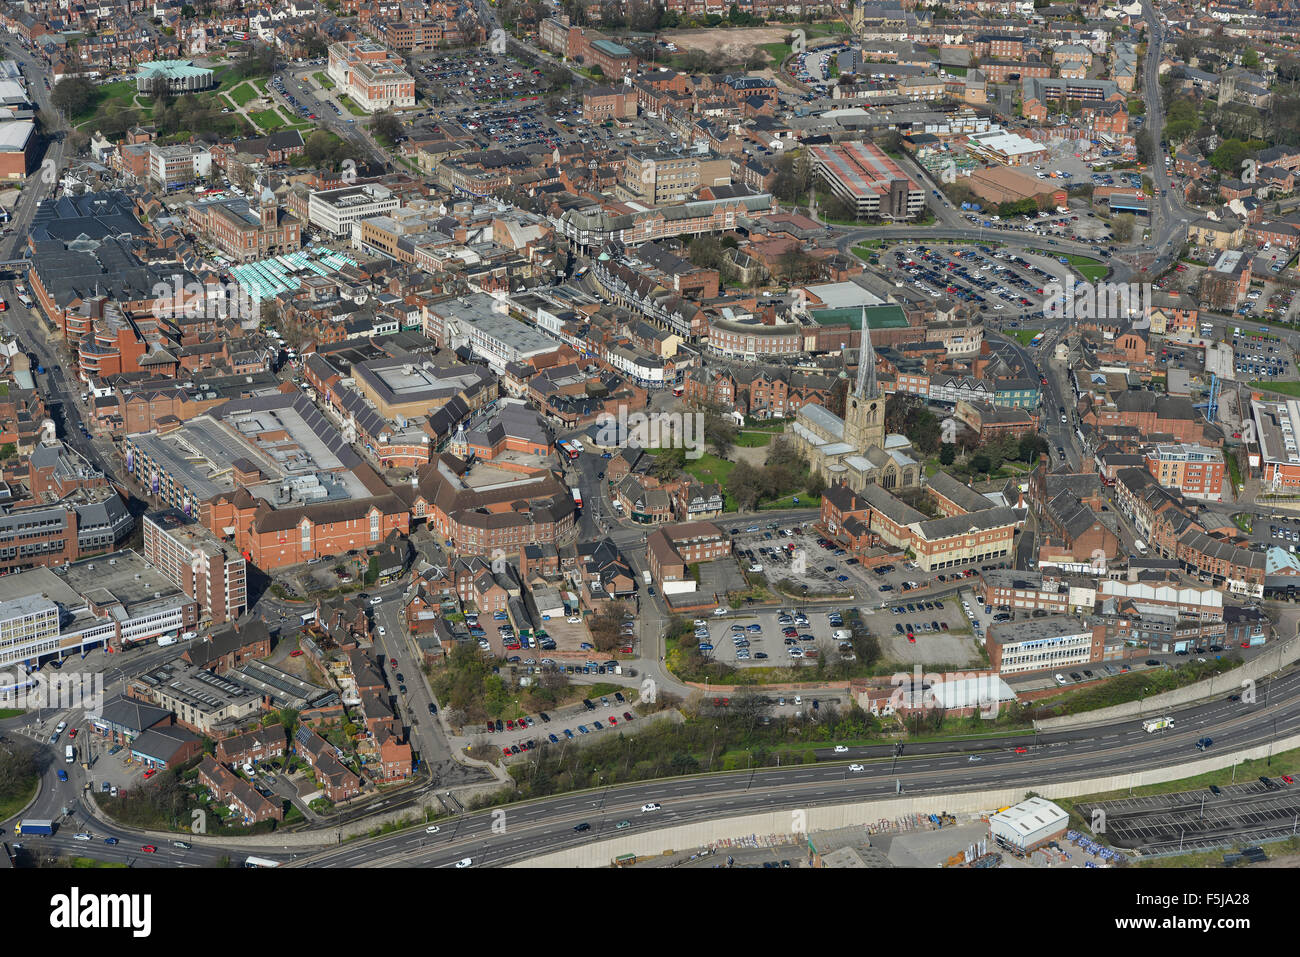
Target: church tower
864, 410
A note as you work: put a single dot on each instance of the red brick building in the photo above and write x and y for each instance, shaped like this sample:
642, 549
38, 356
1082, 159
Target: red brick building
273, 538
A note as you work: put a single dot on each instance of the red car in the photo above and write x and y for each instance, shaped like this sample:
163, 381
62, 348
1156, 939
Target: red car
1022, 750
296, 653
627, 715
613, 721
506, 752
510, 725
392, 662
911, 639
149, 849
1288, 779
72, 733
150, 773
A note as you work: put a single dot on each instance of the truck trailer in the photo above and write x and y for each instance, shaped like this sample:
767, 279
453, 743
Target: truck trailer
32, 826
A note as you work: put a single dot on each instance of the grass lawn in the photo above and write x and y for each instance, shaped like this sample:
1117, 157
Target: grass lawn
1136, 685
710, 468
351, 107
805, 501
828, 29
120, 94
1022, 336
242, 94
324, 80
753, 440
1234, 470
1286, 388
79, 863
869, 250
10, 808
777, 51
268, 121
1090, 269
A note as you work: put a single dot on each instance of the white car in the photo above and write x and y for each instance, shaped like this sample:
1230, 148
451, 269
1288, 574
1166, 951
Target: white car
856, 768
841, 749
574, 619
700, 621
83, 836
432, 829
719, 611
63, 726
650, 807
464, 862
382, 632
376, 600
1060, 679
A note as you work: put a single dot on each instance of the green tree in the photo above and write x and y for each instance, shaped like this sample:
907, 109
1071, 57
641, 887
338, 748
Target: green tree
719, 433
386, 126
668, 463
1122, 226
73, 95
947, 453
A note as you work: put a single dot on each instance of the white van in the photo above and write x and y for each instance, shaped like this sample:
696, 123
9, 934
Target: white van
165, 640
69, 754
841, 634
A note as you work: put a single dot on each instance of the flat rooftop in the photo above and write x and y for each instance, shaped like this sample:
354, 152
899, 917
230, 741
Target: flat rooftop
123, 576
405, 380
41, 582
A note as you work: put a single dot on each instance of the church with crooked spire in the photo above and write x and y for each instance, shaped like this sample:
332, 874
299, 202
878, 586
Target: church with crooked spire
856, 450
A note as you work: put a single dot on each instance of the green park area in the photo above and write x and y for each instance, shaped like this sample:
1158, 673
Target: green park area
268, 121
243, 94
1093, 270
1286, 388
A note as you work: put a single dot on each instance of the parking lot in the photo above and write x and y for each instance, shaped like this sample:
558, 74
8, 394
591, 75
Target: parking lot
920, 631
519, 644
783, 638
476, 76
571, 723
1259, 355
790, 554
303, 108
999, 280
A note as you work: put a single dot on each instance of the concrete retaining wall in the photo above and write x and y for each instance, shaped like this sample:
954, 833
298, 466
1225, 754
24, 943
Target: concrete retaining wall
1225, 684
692, 836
